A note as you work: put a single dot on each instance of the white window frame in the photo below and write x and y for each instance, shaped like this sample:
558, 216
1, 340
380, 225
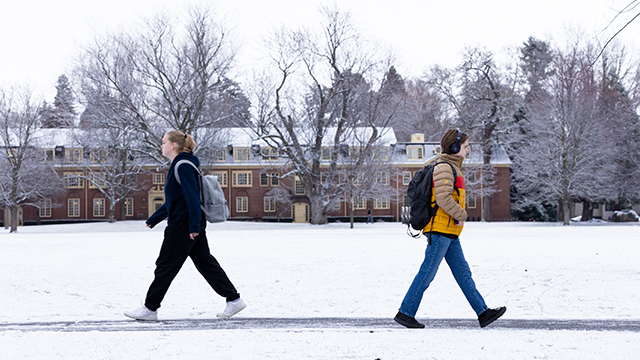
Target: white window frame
242, 204
415, 153
242, 178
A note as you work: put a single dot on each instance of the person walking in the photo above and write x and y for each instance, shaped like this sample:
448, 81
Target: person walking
443, 232
185, 234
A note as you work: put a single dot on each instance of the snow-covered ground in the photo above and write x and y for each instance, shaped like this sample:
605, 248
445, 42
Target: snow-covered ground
538, 270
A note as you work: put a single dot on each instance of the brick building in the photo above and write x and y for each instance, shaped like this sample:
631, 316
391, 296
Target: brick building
255, 181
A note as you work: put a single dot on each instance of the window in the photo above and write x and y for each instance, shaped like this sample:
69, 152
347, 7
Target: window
382, 202
298, 188
269, 204
326, 154
132, 180
97, 181
415, 153
98, 155
241, 154
72, 180
242, 204
127, 207
266, 179
242, 179
471, 201
222, 177
596, 205
45, 208
73, 207
382, 178
359, 180
49, 154
359, 203
124, 154
471, 177
406, 177
269, 153
609, 206
158, 179
355, 151
98, 207
219, 154
383, 153
73, 155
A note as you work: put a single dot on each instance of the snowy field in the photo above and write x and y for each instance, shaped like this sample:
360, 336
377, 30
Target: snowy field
538, 270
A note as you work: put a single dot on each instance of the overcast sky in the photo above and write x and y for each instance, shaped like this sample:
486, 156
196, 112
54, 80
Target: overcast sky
39, 39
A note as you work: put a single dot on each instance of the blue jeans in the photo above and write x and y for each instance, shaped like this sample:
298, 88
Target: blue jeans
451, 250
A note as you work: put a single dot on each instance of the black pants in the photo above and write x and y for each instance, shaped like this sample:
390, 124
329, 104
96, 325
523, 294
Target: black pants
176, 247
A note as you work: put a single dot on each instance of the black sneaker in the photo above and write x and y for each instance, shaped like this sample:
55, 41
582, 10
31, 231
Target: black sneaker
408, 321
491, 315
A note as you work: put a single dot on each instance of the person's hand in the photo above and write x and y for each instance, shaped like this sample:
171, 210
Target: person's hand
149, 226
460, 223
193, 236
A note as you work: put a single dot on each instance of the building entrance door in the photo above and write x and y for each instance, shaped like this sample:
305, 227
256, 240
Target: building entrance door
300, 212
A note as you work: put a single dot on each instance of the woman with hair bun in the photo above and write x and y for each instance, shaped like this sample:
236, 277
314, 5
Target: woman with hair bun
185, 234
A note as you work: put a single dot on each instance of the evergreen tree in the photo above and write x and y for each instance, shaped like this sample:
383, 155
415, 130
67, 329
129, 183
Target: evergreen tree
392, 83
63, 113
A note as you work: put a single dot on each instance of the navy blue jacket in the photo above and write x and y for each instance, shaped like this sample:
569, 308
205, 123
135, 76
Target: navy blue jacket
182, 203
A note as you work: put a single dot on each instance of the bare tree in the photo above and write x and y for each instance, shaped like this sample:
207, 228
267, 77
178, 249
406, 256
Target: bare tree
282, 198
325, 90
481, 99
630, 11
111, 164
164, 77
370, 182
25, 177
423, 111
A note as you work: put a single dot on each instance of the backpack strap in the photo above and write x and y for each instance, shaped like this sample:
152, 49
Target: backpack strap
175, 169
177, 176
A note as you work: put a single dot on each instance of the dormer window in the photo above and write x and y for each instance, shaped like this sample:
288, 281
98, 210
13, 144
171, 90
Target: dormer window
415, 153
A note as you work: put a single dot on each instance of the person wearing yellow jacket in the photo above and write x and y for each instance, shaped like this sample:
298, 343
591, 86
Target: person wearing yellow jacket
443, 232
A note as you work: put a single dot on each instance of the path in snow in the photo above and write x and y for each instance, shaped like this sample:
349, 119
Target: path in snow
316, 323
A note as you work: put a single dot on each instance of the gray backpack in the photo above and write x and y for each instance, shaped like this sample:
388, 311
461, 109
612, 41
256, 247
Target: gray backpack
212, 199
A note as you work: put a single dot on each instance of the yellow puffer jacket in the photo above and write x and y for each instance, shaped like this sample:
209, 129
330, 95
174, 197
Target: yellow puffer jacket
451, 204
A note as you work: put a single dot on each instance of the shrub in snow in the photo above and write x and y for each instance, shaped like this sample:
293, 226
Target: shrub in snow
625, 216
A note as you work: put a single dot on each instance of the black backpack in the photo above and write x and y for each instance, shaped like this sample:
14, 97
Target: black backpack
420, 192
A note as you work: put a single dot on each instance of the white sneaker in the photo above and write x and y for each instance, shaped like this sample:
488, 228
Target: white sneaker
142, 313
233, 307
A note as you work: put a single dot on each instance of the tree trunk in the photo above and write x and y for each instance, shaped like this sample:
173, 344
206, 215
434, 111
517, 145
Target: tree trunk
486, 208
14, 219
318, 217
587, 210
487, 179
560, 210
351, 213
566, 214
112, 215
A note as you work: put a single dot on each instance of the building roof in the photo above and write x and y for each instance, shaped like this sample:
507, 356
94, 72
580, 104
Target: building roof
246, 137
